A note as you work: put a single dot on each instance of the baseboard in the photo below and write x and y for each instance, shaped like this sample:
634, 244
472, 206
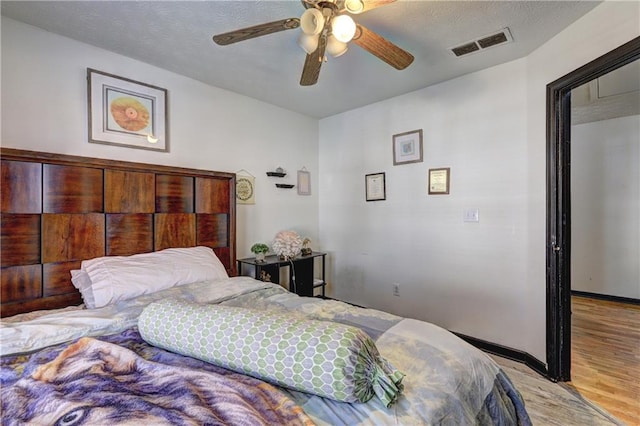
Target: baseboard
319, 296
505, 352
605, 297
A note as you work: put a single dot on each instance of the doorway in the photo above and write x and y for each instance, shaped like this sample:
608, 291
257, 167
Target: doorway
558, 243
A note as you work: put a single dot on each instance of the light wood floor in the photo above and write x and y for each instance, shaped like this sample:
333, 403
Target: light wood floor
605, 355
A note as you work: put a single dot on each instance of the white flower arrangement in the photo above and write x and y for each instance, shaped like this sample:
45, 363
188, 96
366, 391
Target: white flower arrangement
287, 244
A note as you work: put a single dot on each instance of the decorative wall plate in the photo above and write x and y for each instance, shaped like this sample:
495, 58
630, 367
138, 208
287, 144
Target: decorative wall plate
245, 190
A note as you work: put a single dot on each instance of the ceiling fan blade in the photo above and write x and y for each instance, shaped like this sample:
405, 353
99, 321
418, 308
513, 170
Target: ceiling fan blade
372, 4
256, 31
312, 64
382, 48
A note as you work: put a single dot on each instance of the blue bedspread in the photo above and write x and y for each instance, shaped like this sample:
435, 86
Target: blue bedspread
448, 381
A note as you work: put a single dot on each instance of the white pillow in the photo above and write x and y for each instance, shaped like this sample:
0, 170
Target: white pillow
82, 282
115, 278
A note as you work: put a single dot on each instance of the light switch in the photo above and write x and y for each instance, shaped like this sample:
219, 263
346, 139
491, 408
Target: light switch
471, 215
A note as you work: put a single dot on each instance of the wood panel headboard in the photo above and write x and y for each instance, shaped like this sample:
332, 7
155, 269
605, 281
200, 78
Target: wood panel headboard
57, 210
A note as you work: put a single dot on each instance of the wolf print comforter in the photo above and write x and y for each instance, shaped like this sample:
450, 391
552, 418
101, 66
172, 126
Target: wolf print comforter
93, 382
447, 382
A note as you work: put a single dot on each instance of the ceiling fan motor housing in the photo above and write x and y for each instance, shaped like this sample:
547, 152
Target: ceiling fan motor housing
321, 4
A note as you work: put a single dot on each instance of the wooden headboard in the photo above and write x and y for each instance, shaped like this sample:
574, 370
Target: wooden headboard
57, 210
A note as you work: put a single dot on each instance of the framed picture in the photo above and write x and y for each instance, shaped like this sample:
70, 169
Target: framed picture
304, 182
439, 181
375, 187
126, 112
407, 147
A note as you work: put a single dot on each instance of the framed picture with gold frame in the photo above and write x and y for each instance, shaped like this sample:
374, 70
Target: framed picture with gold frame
126, 112
439, 181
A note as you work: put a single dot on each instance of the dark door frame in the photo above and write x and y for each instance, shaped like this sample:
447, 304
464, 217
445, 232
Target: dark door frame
558, 246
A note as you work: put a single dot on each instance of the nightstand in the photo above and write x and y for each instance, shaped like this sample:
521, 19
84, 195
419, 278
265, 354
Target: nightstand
302, 268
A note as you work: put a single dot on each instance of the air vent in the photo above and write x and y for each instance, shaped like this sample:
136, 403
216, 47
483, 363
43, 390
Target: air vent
465, 49
502, 37
492, 40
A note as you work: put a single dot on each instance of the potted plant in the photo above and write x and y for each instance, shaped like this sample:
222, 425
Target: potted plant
259, 249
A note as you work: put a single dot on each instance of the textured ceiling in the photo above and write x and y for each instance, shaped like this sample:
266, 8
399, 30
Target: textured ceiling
176, 35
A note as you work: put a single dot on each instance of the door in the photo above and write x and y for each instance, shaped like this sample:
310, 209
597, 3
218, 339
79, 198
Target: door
558, 247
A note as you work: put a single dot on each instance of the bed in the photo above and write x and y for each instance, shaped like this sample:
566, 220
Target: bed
156, 328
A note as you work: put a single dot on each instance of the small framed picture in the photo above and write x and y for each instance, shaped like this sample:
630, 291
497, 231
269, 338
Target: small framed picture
439, 181
125, 112
375, 187
304, 182
407, 147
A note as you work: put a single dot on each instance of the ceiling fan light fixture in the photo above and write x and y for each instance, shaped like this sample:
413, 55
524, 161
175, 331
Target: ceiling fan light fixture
343, 28
312, 22
308, 43
336, 47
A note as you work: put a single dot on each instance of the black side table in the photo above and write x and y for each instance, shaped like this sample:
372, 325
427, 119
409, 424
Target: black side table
301, 271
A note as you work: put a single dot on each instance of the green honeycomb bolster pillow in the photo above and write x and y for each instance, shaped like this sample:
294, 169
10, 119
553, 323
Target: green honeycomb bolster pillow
329, 359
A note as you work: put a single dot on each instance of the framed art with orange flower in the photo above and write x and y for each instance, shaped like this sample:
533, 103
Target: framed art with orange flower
126, 112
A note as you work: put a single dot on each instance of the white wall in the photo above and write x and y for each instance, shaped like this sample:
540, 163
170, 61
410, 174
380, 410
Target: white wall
462, 276
44, 107
484, 279
605, 201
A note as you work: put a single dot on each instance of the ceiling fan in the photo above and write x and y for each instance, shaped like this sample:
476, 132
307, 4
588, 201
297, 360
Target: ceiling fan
327, 27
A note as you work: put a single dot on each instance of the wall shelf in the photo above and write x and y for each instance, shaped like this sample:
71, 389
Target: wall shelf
284, 185
276, 174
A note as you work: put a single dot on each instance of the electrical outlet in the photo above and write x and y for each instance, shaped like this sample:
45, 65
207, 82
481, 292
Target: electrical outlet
471, 215
396, 289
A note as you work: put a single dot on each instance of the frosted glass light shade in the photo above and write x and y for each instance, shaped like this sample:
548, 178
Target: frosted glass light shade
335, 47
312, 22
343, 28
308, 43
354, 6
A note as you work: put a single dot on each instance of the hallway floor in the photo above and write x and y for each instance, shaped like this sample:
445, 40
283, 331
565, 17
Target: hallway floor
605, 352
